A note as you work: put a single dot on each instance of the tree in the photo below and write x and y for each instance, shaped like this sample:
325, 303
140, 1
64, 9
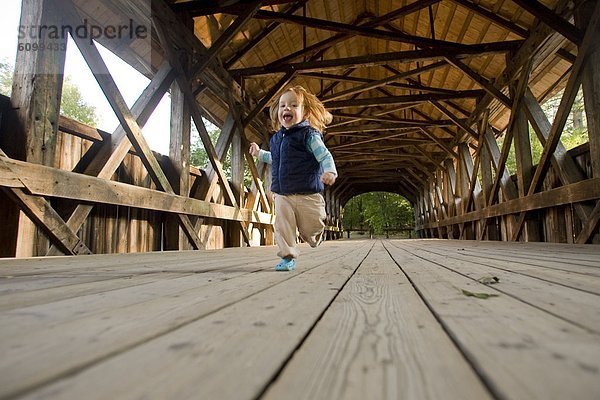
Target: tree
199, 157
574, 134
72, 104
377, 211
6, 73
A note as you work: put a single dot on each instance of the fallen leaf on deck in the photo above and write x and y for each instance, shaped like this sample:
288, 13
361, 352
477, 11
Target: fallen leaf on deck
478, 295
488, 280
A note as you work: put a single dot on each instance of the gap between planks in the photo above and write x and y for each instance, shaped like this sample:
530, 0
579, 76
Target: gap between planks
520, 350
82, 345
378, 340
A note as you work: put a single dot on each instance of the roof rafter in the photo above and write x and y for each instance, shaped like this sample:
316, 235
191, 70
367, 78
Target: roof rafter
551, 19
435, 54
355, 30
208, 7
320, 47
413, 98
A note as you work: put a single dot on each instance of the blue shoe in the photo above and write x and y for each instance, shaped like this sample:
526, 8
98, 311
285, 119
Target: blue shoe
286, 264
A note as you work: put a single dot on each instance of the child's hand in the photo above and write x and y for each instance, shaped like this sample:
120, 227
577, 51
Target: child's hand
254, 149
328, 178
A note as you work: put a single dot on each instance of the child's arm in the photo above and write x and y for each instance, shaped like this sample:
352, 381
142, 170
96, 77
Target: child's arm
324, 157
262, 155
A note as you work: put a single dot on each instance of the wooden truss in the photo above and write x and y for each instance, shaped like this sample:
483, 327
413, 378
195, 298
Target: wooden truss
478, 205
28, 185
434, 145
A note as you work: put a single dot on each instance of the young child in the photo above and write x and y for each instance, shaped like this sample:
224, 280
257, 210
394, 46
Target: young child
300, 165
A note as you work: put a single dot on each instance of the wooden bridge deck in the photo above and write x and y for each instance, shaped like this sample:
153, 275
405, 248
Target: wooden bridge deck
370, 319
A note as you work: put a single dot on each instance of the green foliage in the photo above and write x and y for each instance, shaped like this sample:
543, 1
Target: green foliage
199, 157
574, 134
6, 74
377, 211
73, 106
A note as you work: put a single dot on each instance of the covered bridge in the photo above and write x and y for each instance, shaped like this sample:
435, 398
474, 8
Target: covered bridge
428, 99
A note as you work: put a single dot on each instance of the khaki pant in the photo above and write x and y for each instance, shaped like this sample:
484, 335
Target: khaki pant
303, 211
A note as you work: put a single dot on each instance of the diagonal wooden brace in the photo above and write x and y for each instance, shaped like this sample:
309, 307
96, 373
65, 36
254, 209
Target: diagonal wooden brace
124, 115
41, 212
185, 86
111, 155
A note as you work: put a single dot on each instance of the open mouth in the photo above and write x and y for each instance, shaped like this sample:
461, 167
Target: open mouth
287, 117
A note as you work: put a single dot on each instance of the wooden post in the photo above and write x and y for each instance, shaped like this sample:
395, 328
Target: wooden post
591, 86
462, 187
450, 173
179, 154
524, 160
338, 203
591, 97
237, 180
35, 99
489, 226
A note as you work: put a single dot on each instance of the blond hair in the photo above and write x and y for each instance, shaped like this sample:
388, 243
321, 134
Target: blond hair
314, 111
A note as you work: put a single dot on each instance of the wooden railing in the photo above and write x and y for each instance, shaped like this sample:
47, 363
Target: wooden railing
552, 211
129, 214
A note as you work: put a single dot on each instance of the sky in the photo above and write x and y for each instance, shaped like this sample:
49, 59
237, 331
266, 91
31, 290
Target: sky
130, 82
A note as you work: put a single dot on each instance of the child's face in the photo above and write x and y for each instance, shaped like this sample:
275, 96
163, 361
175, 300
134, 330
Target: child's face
291, 110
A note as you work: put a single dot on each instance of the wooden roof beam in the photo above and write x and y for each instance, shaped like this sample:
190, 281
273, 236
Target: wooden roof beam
416, 176
439, 142
227, 36
551, 19
362, 117
320, 47
261, 36
395, 100
356, 30
375, 139
385, 165
481, 81
332, 85
412, 85
209, 7
566, 55
399, 124
459, 122
427, 155
428, 118
494, 17
405, 144
373, 156
473, 50
375, 84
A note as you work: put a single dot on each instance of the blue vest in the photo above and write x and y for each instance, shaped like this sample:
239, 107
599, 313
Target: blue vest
294, 168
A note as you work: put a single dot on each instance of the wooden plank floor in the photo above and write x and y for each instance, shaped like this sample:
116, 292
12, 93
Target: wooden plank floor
359, 319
